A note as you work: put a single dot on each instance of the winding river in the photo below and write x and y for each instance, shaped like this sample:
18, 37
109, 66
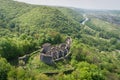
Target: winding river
86, 19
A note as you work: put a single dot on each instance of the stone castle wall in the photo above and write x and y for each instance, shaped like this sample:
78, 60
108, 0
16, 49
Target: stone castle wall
50, 53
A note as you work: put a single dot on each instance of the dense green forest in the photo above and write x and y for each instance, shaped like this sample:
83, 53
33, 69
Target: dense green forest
24, 28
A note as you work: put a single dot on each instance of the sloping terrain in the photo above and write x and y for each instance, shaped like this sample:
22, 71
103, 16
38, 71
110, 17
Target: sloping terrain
24, 28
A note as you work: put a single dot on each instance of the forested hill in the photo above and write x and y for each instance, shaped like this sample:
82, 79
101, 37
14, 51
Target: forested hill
24, 28
20, 14
30, 23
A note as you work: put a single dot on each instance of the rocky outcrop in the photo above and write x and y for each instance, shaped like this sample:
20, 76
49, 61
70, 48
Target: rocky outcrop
50, 54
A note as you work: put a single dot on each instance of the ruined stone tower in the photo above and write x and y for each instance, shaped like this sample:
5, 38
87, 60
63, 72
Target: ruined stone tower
50, 54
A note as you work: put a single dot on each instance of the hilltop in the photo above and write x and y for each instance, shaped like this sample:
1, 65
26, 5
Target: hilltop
94, 53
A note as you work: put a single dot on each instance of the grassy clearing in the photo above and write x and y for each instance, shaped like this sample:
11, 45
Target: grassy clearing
105, 25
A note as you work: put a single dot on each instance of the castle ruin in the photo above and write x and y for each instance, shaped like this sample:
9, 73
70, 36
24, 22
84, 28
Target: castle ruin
50, 54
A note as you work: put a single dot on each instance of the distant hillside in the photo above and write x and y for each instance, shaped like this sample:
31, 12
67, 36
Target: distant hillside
72, 13
45, 17
10, 9
21, 14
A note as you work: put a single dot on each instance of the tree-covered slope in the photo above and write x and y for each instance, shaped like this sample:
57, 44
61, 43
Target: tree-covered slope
94, 52
45, 17
72, 14
11, 9
34, 24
